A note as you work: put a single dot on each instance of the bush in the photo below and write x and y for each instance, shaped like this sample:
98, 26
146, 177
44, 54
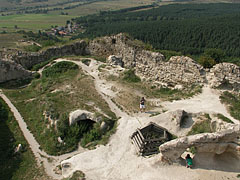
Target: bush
93, 135
207, 61
130, 76
59, 68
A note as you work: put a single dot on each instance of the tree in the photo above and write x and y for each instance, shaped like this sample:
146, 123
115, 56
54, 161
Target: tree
207, 61
216, 54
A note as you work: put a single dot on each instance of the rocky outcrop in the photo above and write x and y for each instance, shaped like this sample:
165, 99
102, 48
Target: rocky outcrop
114, 60
129, 50
10, 70
218, 143
225, 76
27, 60
151, 66
81, 115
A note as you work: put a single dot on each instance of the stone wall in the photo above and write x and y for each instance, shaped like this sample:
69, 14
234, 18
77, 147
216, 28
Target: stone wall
10, 70
178, 72
27, 60
225, 76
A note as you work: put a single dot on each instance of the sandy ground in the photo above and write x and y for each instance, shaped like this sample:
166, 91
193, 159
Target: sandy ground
118, 160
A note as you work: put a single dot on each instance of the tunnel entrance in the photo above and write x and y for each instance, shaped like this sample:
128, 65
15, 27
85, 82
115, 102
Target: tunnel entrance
85, 125
148, 139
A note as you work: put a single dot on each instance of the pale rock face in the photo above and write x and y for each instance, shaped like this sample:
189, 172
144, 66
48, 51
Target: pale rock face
225, 76
10, 70
178, 117
81, 115
218, 143
27, 60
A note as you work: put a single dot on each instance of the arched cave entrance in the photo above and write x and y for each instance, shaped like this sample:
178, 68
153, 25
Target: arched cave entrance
85, 125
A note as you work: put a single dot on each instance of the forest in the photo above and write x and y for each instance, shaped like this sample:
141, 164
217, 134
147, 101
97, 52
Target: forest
191, 29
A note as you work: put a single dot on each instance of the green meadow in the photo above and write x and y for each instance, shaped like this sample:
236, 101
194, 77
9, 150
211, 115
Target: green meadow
32, 22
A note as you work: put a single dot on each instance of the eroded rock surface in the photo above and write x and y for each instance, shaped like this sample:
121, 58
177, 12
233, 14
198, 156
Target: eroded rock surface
80, 115
10, 70
218, 143
225, 76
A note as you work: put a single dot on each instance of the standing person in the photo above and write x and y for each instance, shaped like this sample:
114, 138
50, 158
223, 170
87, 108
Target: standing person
142, 105
189, 162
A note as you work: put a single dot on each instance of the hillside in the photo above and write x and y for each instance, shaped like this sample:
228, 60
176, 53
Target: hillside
89, 106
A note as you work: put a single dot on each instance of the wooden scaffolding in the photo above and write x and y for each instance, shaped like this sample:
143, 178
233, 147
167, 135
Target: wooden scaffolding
148, 139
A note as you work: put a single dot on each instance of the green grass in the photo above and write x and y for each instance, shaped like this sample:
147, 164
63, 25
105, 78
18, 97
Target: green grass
59, 69
32, 22
130, 76
222, 117
16, 166
203, 126
9, 39
77, 175
233, 103
56, 94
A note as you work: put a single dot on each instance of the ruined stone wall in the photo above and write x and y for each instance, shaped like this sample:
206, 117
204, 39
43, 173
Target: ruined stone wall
225, 76
27, 60
10, 70
178, 72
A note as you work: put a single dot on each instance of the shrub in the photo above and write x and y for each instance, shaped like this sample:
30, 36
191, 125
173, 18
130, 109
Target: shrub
59, 68
207, 61
130, 76
93, 135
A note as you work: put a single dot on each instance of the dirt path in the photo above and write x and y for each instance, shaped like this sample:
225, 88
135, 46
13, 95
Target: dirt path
118, 160
208, 101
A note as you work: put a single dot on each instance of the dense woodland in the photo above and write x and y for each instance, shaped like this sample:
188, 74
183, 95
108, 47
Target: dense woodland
189, 29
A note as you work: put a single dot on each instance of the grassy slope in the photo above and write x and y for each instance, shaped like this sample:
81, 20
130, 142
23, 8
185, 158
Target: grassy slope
15, 166
75, 90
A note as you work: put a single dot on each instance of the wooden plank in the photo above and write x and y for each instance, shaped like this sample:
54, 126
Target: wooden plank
139, 145
135, 143
139, 132
139, 142
140, 139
